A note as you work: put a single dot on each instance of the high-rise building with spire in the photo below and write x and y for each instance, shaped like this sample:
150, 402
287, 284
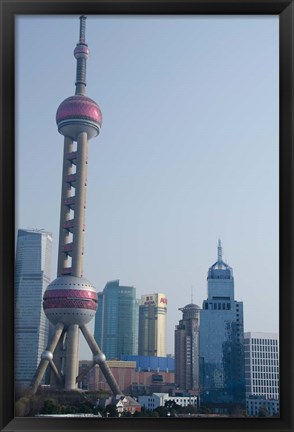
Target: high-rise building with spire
221, 339
70, 301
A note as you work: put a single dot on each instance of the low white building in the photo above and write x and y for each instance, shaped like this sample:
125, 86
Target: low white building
159, 399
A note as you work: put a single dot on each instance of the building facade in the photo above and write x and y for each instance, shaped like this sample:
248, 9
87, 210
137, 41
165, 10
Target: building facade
116, 321
152, 325
159, 399
259, 406
148, 363
32, 276
262, 364
187, 348
222, 339
131, 380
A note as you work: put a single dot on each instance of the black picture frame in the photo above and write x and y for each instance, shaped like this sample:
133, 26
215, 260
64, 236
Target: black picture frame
8, 10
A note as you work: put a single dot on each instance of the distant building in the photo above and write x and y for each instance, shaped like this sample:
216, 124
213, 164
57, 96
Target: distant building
32, 276
149, 363
116, 321
130, 380
152, 325
261, 364
187, 348
159, 399
221, 340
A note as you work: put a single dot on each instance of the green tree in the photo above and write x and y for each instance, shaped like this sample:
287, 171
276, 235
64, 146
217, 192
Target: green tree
51, 407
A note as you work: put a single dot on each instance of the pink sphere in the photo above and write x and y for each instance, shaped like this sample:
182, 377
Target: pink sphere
78, 114
70, 300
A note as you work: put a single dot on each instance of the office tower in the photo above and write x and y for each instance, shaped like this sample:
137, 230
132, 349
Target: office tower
261, 364
116, 325
152, 325
221, 339
70, 301
187, 349
32, 276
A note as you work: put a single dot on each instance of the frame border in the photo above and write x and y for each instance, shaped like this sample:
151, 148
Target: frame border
8, 10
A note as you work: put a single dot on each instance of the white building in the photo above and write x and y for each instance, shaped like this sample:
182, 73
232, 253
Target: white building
159, 399
262, 364
32, 276
152, 325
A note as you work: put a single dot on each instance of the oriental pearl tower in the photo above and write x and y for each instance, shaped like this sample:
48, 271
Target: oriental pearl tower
70, 301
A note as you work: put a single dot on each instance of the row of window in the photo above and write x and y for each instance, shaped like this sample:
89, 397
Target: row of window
264, 341
218, 306
271, 359
258, 354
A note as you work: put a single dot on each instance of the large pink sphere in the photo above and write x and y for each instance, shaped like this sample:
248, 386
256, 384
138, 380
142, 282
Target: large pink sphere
70, 300
78, 114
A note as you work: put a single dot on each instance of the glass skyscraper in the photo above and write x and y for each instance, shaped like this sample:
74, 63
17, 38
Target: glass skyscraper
221, 340
32, 275
116, 321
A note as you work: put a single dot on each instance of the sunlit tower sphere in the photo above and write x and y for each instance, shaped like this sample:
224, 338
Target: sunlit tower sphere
70, 301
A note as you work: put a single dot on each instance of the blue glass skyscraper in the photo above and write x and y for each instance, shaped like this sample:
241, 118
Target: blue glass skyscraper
221, 340
116, 321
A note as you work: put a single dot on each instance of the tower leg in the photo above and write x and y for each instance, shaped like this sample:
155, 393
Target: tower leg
99, 358
72, 355
36, 381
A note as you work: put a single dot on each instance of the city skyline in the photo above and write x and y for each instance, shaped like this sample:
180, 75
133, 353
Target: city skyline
176, 166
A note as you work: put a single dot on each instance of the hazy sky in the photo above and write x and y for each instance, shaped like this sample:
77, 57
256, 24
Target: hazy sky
187, 154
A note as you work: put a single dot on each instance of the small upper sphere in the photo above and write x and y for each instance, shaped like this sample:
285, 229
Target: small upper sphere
78, 114
81, 51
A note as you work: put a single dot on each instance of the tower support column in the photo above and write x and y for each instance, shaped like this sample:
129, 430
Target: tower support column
80, 205
72, 355
64, 210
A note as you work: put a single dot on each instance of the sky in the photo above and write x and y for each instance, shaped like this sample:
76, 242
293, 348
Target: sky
188, 152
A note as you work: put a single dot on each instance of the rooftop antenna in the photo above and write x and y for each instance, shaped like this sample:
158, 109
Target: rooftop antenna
219, 254
191, 293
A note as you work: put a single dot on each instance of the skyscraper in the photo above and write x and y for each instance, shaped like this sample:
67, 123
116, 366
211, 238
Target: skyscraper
116, 323
262, 364
70, 301
187, 348
152, 325
32, 276
221, 339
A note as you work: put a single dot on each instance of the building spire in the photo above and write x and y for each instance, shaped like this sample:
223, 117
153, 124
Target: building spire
81, 53
191, 293
219, 254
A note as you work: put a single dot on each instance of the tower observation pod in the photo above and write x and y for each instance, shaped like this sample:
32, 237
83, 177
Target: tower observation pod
70, 301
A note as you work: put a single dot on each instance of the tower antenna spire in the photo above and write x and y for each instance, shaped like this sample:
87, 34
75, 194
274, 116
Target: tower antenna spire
81, 53
219, 253
82, 29
191, 293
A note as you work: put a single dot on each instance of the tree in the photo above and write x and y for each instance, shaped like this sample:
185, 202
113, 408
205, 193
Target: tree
263, 412
162, 411
51, 407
